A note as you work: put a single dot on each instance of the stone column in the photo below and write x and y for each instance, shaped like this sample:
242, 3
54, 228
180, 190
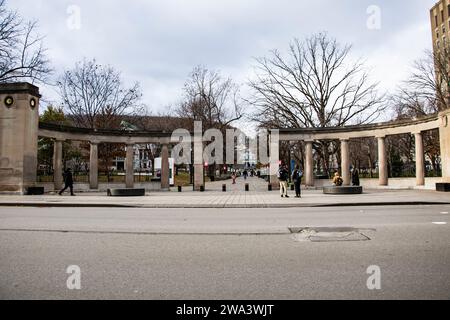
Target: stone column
93, 166
345, 162
57, 164
444, 136
129, 166
420, 160
309, 164
382, 161
274, 159
165, 183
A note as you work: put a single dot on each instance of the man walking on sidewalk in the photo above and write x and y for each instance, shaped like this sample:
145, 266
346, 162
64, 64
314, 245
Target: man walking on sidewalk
68, 182
283, 176
297, 179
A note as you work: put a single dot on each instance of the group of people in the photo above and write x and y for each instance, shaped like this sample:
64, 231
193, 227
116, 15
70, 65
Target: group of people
339, 181
296, 178
246, 173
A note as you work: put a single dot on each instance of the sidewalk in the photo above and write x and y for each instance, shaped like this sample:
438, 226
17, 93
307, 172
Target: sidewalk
235, 197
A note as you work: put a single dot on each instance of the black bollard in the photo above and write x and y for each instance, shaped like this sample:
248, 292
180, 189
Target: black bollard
247, 187
224, 188
202, 188
180, 188
292, 187
269, 187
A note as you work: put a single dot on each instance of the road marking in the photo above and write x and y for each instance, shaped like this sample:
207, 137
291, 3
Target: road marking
440, 223
444, 212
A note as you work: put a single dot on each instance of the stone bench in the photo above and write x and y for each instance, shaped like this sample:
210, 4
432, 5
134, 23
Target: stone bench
443, 187
126, 192
343, 190
34, 191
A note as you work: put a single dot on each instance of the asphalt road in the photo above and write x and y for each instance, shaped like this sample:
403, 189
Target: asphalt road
223, 253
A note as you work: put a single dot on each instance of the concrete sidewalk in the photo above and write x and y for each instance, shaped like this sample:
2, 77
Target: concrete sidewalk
235, 197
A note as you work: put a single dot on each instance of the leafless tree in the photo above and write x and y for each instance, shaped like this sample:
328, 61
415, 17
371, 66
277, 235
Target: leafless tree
316, 85
210, 98
22, 55
427, 90
95, 97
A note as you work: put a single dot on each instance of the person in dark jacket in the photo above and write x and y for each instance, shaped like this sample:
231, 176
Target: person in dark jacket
297, 175
355, 177
283, 177
68, 182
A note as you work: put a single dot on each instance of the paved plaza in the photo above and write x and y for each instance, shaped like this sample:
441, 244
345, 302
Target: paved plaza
235, 197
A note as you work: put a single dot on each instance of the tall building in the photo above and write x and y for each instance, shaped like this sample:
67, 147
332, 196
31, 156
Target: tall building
440, 24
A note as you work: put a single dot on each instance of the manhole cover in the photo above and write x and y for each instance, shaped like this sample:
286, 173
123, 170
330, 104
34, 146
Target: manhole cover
328, 234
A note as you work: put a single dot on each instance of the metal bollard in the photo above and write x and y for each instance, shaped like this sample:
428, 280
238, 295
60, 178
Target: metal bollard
247, 187
180, 188
224, 188
269, 187
202, 188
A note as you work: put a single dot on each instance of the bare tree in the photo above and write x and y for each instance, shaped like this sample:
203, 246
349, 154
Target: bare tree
95, 96
210, 98
22, 55
314, 86
427, 90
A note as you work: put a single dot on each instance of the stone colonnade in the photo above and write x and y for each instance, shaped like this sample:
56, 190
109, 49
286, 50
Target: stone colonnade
379, 132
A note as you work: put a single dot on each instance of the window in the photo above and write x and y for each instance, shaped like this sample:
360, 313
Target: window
436, 21
442, 16
448, 10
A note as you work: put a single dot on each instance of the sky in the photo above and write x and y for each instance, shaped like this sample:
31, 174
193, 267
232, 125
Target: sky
158, 42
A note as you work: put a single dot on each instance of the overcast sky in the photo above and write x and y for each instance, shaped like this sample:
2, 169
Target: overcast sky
158, 42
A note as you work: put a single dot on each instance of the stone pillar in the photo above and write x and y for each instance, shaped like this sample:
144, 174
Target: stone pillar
19, 123
382, 161
420, 160
198, 159
129, 166
309, 164
57, 164
165, 170
274, 159
93, 166
345, 162
444, 136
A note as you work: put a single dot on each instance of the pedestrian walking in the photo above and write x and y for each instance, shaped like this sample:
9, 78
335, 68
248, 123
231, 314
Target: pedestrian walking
355, 177
233, 177
68, 182
297, 179
283, 176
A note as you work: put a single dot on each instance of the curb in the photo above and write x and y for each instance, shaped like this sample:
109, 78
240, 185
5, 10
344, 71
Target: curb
206, 206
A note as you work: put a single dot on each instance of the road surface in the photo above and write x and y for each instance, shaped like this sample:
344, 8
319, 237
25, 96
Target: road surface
223, 253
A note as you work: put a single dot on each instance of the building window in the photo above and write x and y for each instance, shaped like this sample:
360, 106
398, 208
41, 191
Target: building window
442, 16
448, 10
436, 21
